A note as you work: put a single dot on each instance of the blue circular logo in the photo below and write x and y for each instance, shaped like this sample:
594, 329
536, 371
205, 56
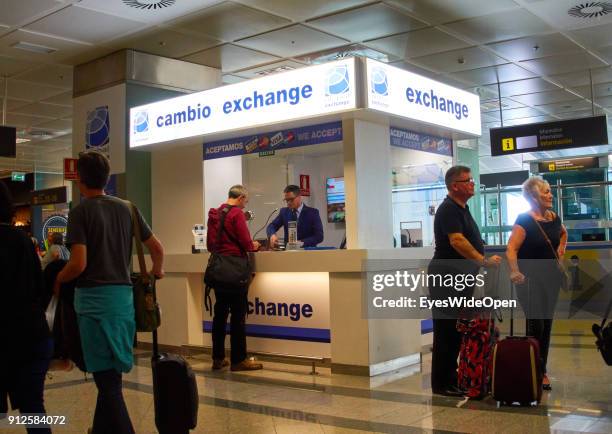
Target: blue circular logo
97, 129
55, 223
379, 82
141, 122
338, 81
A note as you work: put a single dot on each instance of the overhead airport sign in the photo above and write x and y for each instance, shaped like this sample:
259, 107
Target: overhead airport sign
302, 93
546, 136
568, 164
408, 95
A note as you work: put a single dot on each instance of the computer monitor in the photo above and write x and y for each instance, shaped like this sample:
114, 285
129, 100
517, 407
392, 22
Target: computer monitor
335, 200
8, 142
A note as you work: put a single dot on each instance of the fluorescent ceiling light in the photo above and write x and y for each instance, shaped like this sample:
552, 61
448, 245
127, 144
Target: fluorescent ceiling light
22, 140
34, 48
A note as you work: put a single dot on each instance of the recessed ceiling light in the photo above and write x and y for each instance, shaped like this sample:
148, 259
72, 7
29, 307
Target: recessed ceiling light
34, 48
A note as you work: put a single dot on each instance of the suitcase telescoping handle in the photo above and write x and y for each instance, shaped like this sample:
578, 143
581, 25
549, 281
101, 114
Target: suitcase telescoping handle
512, 293
155, 347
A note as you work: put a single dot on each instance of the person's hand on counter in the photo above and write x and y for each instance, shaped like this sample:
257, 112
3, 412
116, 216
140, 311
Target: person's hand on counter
256, 245
274, 241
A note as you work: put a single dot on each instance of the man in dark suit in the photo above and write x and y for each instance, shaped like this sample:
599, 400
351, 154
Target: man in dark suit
309, 226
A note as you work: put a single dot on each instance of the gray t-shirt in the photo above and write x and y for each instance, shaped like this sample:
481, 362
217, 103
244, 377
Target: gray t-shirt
104, 225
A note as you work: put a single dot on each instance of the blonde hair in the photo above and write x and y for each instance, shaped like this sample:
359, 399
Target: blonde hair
236, 191
532, 187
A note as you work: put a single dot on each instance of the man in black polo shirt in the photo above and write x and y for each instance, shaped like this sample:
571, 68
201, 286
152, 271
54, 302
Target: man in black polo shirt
459, 250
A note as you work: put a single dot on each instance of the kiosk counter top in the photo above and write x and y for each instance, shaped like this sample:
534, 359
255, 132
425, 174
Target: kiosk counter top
304, 261
305, 302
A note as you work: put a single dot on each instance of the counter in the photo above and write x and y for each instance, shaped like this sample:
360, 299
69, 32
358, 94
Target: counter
302, 303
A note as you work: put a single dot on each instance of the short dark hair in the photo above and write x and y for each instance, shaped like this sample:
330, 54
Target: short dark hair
94, 169
292, 189
453, 173
6, 204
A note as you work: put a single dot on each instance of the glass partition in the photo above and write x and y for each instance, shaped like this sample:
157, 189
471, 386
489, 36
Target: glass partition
584, 209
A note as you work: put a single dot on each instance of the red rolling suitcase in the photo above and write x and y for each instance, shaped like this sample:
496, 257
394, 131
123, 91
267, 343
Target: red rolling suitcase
517, 371
475, 356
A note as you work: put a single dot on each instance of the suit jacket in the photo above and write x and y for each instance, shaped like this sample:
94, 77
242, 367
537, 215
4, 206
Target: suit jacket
309, 226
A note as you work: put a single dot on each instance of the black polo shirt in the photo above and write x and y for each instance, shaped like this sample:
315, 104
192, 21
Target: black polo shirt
452, 218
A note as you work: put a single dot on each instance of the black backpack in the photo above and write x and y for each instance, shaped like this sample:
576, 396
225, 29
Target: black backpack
66, 335
603, 333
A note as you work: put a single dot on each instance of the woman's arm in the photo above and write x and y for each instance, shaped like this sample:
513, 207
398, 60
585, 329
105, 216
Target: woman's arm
562, 242
517, 238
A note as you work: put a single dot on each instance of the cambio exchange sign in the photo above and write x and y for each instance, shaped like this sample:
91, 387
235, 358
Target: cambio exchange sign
402, 93
306, 92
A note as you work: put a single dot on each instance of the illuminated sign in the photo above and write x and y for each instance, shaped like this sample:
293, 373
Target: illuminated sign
408, 95
54, 224
569, 164
18, 176
48, 196
545, 136
302, 93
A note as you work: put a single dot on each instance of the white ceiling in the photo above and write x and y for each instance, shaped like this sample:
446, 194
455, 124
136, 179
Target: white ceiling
542, 57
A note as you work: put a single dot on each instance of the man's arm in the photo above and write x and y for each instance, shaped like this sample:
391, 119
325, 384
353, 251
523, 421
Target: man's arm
275, 224
465, 249
317, 228
241, 232
156, 250
75, 266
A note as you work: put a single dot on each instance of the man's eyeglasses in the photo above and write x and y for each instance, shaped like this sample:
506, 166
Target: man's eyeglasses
470, 180
289, 199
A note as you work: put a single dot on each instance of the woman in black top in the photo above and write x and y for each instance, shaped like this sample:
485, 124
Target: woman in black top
24, 332
538, 239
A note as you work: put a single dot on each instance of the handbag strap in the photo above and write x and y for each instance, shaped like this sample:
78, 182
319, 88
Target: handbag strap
138, 241
543, 232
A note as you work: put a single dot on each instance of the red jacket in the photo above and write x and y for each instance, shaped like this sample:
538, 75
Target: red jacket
235, 224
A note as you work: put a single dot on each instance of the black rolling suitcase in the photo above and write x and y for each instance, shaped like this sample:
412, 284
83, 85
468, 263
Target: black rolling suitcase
175, 392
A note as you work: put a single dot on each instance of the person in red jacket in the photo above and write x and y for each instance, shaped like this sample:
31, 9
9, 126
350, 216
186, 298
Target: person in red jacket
234, 240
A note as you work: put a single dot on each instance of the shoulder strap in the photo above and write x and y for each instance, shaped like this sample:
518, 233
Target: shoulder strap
224, 211
545, 237
138, 241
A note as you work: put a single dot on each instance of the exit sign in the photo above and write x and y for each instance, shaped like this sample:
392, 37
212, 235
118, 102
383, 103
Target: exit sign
18, 176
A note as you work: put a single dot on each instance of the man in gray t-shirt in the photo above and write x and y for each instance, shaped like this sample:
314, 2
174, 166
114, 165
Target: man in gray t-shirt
100, 239
105, 224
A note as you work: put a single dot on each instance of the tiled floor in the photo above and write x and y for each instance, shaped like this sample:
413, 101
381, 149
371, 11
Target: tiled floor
286, 399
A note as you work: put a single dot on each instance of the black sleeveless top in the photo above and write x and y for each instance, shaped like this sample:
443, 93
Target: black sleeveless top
535, 245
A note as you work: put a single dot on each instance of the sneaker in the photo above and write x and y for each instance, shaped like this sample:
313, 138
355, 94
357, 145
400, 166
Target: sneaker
219, 364
247, 365
546, 383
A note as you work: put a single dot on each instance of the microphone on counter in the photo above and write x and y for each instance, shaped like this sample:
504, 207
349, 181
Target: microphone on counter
266, 223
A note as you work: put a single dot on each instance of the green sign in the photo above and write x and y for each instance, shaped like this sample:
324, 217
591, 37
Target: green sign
18, 176
266, 153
